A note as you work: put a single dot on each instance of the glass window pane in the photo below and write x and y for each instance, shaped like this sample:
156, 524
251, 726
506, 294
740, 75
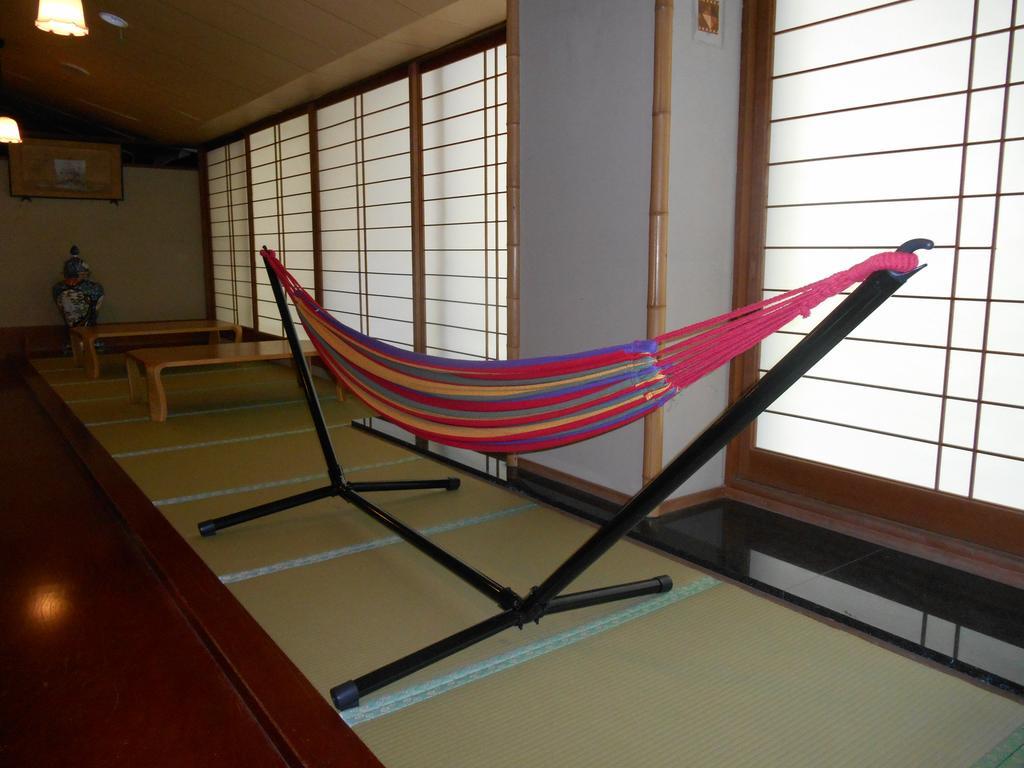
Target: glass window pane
1013, 167
1008, 276
982, 170
997, 479
1000, 429
907, 461
885, 365
926, 173
882, 410
990, 60
927, 72
1004, 379
385, 121
976, 223
453, 75
1006, 327
889, 28
922, 123
972, 273
878, 225
960, 422
1015, 113
955, 471
386, 96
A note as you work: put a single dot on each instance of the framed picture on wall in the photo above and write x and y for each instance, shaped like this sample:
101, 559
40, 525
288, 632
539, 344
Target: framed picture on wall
69, 169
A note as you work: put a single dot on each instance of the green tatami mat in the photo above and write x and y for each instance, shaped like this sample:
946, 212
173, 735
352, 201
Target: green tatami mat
57, 370
723, 678
176, 475
331, 524
222, 426
342, 618
111, 388
236, 394
177, 382
62, 370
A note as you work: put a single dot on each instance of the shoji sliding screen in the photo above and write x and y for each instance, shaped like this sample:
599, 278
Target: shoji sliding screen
404, 232
891, 121
464, 163
282, 205
227, 200
365, 212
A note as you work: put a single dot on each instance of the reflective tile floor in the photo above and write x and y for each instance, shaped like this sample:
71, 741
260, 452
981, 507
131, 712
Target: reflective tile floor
965, 622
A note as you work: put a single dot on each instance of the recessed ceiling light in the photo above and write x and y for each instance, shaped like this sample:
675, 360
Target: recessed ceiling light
113, 19
75, 68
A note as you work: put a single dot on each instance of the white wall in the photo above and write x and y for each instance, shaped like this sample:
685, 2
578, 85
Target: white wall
147, 251
705, 104
585, 162
586, 136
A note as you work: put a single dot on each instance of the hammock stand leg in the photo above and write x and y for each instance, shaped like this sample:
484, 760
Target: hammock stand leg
547, 597
350, 492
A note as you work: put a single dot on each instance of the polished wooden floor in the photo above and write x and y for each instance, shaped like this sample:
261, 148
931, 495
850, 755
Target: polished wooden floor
102, 662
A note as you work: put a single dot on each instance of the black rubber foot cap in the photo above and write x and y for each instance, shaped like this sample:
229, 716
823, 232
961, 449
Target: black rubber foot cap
345, 696
207, 528
666, 583
453, 484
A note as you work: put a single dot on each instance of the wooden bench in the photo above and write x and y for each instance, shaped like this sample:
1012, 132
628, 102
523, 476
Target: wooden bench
152, 361
84, 338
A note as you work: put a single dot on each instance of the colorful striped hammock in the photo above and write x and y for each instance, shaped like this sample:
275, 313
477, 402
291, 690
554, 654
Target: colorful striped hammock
520, 406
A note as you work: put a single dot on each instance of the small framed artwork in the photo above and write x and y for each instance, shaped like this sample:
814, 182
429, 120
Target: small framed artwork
68, 169
708, 21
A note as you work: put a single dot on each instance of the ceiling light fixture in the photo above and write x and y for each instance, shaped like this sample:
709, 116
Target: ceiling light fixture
113, 20
62, 17
9, 132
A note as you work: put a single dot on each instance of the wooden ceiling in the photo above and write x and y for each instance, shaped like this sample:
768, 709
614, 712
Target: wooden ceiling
188, 71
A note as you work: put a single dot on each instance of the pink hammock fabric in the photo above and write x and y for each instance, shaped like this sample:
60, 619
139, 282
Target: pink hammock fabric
519, 406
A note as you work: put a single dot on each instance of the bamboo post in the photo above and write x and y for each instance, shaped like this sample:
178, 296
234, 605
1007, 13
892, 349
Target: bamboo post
204, 210
419, 248
512, 189
657, 232
252, 238
314, 189
419, 269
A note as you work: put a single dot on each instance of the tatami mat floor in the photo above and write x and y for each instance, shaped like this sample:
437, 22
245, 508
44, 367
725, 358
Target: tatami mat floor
706, 675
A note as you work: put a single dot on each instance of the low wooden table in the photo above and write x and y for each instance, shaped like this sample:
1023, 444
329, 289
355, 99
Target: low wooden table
152, 362
83, 338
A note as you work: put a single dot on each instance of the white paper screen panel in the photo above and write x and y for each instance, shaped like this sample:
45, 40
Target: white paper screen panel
893, 121
464, 162
365, 212
229, 233
282, 205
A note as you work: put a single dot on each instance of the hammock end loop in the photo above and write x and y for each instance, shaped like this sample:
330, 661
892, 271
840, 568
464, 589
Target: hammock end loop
903, 260
899, 262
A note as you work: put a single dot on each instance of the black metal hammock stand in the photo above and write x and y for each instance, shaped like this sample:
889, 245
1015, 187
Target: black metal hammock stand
549, 597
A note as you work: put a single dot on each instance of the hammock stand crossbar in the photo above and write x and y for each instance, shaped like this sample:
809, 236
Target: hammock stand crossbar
549, 597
